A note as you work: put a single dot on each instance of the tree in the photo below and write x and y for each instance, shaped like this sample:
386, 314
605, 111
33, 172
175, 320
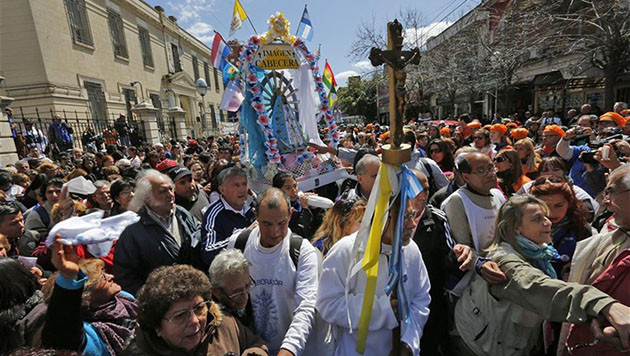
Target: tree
599, 32
359, 97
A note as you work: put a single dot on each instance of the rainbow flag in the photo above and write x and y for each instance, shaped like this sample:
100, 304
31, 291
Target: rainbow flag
329, 77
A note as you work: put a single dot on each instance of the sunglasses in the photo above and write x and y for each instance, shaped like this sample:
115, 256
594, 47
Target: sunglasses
549, 179
475, 138
500, 159
435, 150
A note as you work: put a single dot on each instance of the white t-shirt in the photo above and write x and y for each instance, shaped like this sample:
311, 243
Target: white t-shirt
283, 299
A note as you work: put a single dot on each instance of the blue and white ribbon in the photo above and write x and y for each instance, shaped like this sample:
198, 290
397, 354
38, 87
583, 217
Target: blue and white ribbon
410, 187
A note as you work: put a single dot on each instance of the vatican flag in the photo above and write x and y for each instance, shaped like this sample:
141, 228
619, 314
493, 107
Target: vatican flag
238, 16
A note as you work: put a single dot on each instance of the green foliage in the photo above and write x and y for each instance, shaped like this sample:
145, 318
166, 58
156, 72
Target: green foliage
359, 97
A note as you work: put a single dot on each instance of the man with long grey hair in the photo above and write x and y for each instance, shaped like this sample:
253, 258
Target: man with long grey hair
230, 279
166, 233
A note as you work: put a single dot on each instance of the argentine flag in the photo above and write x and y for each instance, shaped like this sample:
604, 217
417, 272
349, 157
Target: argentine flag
305, 29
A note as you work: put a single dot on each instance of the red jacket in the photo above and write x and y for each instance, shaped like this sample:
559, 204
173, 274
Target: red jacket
614, 281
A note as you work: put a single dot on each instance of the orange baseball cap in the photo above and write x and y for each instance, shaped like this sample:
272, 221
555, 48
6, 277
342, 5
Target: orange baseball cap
613, 116
499, 128
519, 133
474, 124
554, 129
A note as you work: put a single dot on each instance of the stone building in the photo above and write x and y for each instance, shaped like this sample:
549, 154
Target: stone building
91, 60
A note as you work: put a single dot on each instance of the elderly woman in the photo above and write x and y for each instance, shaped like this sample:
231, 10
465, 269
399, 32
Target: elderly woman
87, 311
230, 279
101, 199
506, 318
178, 317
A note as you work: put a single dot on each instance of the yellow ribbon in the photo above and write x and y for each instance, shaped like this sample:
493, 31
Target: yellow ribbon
370, 257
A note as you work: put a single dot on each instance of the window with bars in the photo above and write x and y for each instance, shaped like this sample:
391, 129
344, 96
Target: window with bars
145, 45
118, 33
96, 103
79, 25
195, 64
176, 61
216, 80
206, 73
130, 100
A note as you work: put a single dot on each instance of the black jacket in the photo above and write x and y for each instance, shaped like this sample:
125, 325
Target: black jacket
146, 245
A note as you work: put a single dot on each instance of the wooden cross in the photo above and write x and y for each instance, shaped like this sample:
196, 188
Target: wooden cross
396, 60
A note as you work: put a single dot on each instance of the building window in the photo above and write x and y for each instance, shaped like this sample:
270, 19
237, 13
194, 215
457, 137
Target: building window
155, 100
130, 101
118, 33
206, 73
79, 25
195, 67
97, 105
216, 79
145, 45
176, 61
222, 114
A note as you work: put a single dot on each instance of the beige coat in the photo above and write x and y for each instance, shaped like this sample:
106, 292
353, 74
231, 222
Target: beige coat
506, 319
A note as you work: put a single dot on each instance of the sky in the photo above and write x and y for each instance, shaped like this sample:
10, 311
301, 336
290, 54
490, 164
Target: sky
334, 22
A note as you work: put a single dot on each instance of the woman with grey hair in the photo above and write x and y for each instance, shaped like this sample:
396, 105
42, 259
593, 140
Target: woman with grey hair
101, 199
230, 279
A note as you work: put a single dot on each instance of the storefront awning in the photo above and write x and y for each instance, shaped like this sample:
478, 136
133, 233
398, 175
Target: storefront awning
548, 79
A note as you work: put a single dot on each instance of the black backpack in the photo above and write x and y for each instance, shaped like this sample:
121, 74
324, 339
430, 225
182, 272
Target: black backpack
294, 245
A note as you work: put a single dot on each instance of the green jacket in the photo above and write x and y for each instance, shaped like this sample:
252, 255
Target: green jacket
505, 319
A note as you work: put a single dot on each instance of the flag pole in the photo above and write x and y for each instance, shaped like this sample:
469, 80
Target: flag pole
298, 27
250, 22
221, 37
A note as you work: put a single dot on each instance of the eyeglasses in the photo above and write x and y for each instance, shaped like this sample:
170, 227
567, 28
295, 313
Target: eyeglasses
609, 191
484, 171
183, 316
252, 283
549, 179
435, 150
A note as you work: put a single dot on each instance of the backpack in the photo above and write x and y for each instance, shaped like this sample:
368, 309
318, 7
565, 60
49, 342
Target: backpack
43, 215
294, 245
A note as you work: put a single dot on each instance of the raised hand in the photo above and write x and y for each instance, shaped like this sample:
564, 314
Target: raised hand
65, 259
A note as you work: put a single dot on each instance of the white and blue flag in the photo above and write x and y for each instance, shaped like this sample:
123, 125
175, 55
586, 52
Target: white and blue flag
305, 29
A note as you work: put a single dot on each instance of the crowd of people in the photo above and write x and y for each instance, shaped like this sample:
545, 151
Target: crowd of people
518, 244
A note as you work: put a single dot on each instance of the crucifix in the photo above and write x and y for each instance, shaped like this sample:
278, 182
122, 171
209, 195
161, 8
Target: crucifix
396, 60
396, 153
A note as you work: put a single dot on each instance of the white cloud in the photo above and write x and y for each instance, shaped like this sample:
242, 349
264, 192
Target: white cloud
203, 31
190, 10
345, 74
363, 65
417, 37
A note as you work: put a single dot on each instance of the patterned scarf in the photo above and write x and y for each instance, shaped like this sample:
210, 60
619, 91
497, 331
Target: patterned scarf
114, 322
539, 255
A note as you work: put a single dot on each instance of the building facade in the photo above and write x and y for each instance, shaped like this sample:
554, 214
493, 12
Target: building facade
92, 60
544, 76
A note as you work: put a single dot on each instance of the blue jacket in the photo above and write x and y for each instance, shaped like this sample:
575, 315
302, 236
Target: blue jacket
146, 245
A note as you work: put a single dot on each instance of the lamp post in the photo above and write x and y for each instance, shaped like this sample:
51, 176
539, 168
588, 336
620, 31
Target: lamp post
202, 89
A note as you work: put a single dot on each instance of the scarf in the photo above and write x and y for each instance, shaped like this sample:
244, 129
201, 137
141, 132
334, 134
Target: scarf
114, 322
540, 256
